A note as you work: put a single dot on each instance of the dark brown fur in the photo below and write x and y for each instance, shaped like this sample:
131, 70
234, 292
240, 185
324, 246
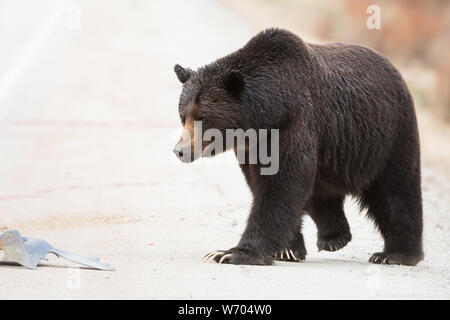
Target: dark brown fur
347, 127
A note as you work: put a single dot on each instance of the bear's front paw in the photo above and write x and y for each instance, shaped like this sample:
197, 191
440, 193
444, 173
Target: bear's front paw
237, 256
290, 255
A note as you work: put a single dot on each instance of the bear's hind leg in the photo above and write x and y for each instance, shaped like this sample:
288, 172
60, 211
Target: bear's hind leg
333, 231
394, 203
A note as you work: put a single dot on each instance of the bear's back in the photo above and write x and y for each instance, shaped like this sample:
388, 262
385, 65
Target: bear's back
365, 106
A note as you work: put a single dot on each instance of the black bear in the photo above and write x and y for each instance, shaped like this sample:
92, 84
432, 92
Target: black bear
347, 126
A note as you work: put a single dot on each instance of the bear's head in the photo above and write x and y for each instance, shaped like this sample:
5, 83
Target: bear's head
209, 105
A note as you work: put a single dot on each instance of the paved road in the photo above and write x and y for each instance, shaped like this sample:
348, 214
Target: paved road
88, 118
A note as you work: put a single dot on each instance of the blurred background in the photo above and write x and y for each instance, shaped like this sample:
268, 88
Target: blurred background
50, 45
89, 117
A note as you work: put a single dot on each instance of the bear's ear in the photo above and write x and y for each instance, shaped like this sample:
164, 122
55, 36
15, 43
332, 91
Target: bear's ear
234, 82
182, 73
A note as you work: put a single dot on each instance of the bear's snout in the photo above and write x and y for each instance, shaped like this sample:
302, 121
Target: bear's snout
178, 151
183, 153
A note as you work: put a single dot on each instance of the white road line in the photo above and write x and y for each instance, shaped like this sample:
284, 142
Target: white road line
26, 57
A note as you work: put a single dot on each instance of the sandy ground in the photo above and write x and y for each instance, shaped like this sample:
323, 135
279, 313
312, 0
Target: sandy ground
87, 165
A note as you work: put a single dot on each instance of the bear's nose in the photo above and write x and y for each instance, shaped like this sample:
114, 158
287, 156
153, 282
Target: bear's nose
178, 151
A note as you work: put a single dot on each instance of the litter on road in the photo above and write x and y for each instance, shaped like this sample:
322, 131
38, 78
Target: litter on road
28, 252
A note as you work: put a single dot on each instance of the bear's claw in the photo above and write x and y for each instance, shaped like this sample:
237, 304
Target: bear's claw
210, 256
289, 255
237, 256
